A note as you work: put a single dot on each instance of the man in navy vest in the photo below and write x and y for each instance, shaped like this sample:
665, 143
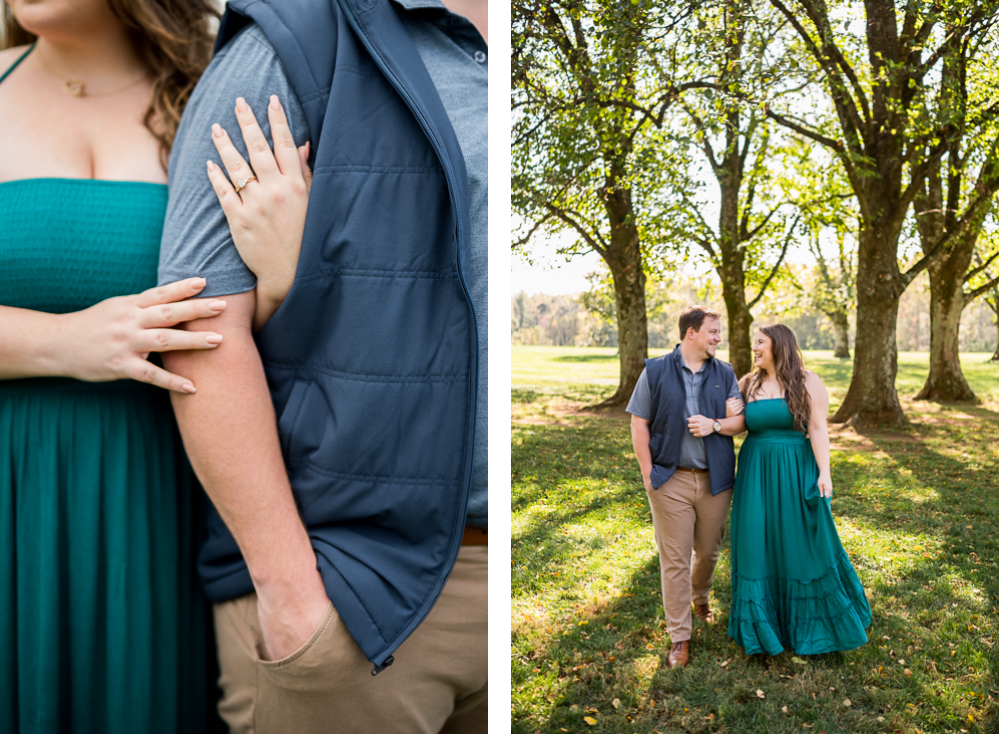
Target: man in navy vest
684, 445
344, 445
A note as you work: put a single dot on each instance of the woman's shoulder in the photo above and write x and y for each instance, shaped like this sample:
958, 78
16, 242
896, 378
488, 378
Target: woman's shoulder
814, 382
10, 55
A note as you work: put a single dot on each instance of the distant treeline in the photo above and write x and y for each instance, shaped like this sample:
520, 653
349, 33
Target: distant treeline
587, 319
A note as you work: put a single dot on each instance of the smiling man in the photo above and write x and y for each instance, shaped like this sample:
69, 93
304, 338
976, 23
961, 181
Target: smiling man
685, 450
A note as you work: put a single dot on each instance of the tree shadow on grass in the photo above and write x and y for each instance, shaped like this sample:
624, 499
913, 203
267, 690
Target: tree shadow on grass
615, 649
587, 358
523, 396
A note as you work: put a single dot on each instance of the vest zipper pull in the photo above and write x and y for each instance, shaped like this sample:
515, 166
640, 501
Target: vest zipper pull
379, 668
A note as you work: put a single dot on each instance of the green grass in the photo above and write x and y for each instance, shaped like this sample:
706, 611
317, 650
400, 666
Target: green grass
916, 510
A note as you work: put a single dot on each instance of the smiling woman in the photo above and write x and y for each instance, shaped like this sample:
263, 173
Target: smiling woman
106, 628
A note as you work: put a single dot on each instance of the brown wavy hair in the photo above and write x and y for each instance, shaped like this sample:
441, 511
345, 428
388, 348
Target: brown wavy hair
789, 371
172, 37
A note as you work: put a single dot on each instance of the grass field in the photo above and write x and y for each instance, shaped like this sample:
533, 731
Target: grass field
916, 510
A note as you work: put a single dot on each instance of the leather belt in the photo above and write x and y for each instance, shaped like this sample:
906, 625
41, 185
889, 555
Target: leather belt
474, 536
693, 471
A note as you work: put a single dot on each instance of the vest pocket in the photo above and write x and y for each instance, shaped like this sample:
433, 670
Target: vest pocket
290, 415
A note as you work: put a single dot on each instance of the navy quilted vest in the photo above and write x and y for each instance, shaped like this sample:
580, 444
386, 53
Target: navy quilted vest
666, 387
372, 358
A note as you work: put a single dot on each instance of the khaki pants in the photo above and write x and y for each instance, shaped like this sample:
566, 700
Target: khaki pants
437, 684
686, 518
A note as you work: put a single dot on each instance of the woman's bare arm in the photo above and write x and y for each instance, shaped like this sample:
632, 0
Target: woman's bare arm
819, 436
110, 340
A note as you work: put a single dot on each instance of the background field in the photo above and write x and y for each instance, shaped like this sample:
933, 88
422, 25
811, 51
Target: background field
916, 510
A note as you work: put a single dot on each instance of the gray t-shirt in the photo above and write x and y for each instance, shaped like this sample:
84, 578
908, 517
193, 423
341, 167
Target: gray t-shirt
196, 237
456, 59
693, 454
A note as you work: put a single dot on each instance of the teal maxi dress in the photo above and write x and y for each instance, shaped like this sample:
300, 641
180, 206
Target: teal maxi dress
793, 584
103, 626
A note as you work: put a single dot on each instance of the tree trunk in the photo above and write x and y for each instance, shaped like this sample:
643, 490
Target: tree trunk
996, 355
841, 348
730, 269
871, 398
945, 381
624, 259
739, 321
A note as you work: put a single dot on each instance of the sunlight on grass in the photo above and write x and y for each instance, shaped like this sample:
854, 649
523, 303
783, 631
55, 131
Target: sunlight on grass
916, 511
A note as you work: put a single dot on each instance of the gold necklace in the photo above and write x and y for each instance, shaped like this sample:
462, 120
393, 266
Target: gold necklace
78, 88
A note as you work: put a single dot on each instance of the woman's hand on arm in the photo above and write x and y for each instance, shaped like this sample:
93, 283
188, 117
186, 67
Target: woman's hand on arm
267, 215
111, 340
819, 436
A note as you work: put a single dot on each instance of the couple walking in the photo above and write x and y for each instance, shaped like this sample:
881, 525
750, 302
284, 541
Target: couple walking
793, 585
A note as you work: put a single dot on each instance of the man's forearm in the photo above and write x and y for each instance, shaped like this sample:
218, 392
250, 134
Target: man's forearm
732, 426
230, 436
640, 444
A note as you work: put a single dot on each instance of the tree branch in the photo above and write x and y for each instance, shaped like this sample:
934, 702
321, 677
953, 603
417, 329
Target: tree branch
774, 270
970, 297
538, 225
706, 145
590, 239
834, 145
973, 273
753, 233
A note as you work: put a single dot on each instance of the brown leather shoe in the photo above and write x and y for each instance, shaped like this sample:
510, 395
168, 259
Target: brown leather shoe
680, 654
704, 613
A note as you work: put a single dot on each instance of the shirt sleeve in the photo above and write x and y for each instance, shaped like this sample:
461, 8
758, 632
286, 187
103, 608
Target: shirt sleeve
196, 238
734, 387
641, 402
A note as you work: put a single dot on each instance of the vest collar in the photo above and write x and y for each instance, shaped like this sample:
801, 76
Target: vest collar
385, 37
679, 360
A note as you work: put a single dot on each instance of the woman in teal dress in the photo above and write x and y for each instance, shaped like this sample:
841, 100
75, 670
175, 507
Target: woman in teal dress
103, 625
793, 584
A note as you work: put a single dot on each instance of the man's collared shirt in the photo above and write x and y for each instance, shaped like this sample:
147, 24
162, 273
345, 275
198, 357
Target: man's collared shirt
693, 454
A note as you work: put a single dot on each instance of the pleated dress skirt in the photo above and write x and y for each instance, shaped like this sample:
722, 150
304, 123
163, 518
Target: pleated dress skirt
104, 628
793, 584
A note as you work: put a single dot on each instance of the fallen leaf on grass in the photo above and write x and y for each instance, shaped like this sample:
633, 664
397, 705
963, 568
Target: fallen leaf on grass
590, 720
906, 671
784, 709
760, 693
616, 703
724, 663
847, 702
799, 661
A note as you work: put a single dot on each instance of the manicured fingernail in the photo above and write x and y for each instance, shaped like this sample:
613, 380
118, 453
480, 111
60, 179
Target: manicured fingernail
275, 104
210, 165
217, 131
188, 388
198, 283
214, 339
216, 305
241, 105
